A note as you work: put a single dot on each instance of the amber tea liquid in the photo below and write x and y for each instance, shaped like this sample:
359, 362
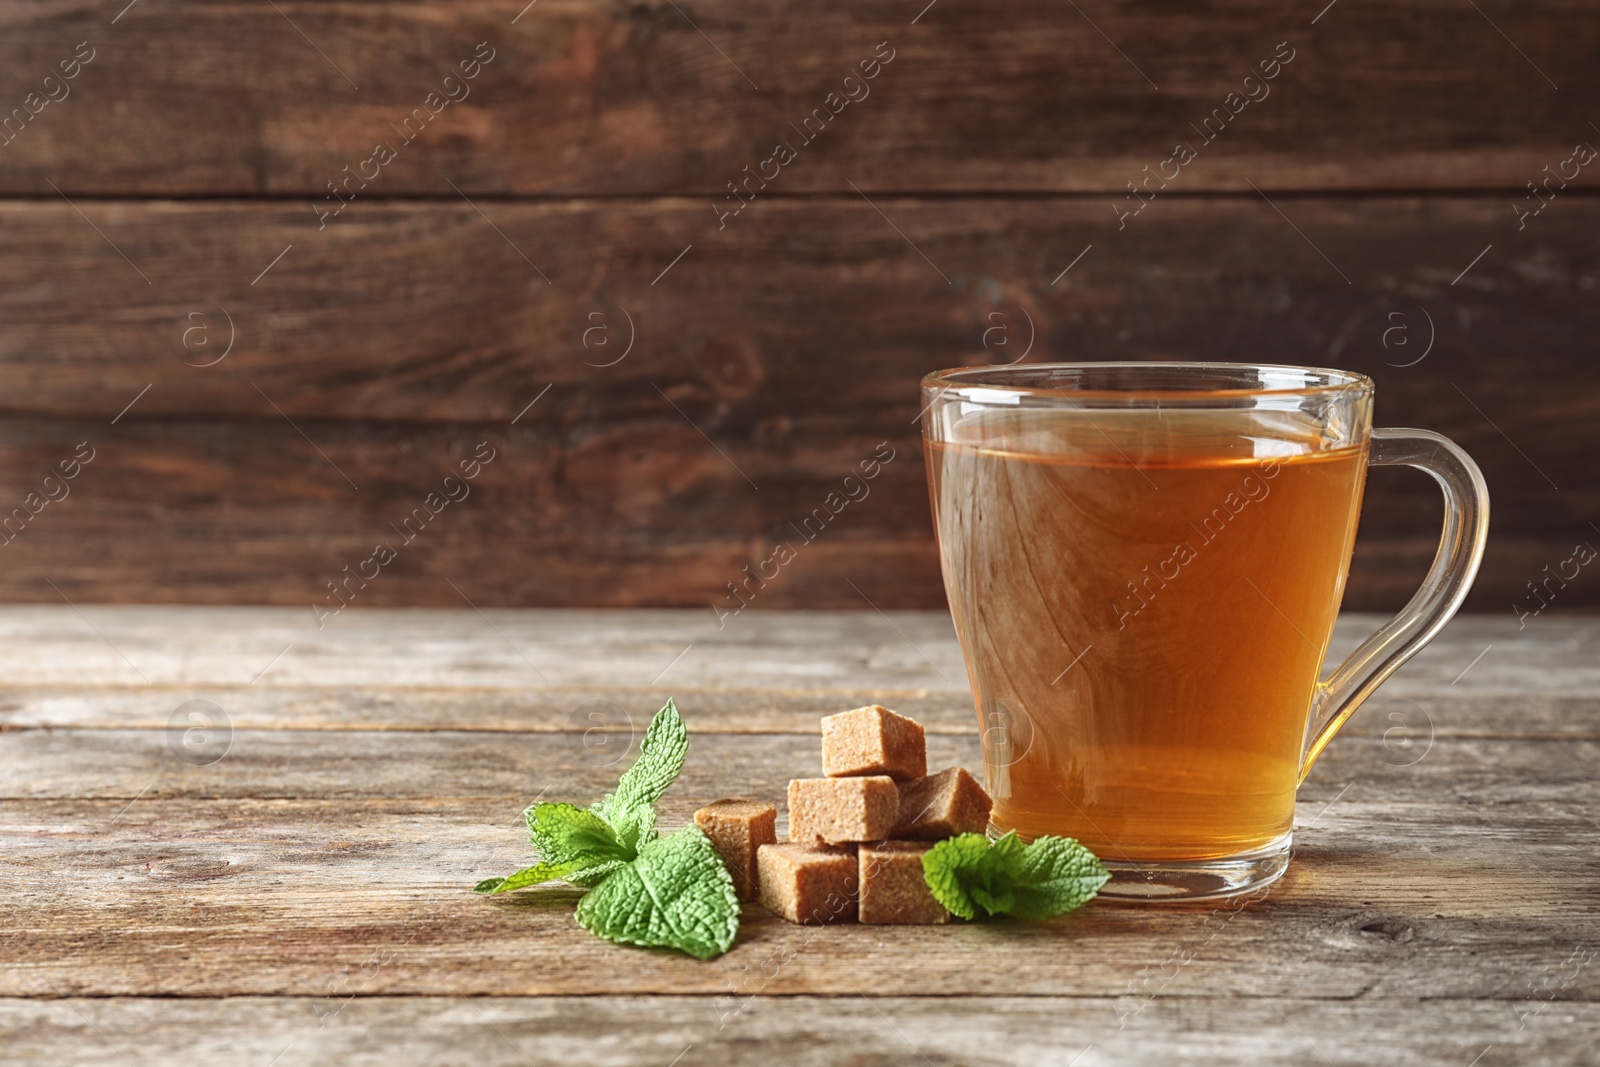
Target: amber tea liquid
1145, 599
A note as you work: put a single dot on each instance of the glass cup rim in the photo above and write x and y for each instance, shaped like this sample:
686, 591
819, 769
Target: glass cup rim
1321, 381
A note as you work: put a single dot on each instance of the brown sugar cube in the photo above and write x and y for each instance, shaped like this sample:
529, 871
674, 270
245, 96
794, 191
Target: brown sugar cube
892, 887
873, 740
942, 805
738, 828
809, 883
841, 810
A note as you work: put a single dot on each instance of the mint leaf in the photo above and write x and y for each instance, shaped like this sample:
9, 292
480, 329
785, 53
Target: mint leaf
576, 839
670, 892
574, 844
584, 846
970, 874
562, 830
629, 809
1057, 875
535, 875
677, 894
950, 865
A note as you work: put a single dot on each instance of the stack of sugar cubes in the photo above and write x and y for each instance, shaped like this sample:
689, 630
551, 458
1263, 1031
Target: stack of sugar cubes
857, 835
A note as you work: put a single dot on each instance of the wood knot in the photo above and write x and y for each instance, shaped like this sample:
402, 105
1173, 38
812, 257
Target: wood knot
191, 870
730, 366
1391, 928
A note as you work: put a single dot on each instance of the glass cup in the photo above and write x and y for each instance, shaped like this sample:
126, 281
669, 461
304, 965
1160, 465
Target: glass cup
1144, 562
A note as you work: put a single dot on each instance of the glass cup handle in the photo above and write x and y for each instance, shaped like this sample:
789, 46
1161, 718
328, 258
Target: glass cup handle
1466, 528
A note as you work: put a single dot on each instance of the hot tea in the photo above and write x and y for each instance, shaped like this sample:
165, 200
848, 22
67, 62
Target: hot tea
1144, 599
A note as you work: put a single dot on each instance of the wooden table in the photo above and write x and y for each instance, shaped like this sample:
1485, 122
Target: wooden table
304, 899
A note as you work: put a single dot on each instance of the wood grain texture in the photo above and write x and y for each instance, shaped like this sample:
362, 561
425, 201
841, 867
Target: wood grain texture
420, 312
309, 891
655, 480
607, 720
114, 764
806, 1031
599, 96
275, 864
121, 652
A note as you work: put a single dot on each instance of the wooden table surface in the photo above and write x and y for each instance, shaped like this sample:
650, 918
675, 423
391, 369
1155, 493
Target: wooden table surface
305, 898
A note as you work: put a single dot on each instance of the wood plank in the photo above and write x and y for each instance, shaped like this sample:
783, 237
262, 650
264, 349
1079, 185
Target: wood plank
749, 332
212, 512
405, 764
613, 1031
224, 512
619, 497
391, 651
135, 656
609, 720
184, 883
307, 895
586, 97
125, 764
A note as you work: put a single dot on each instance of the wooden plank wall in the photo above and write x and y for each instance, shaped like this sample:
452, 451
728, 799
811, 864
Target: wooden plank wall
279, 269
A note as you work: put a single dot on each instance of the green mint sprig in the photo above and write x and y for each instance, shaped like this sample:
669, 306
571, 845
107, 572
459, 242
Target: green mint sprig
671, 891
677, 892
970, 874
